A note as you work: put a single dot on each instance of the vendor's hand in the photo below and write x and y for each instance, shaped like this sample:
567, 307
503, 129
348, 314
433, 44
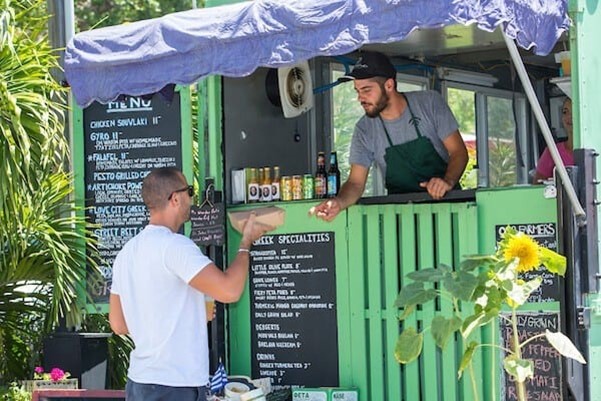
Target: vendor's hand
436, 187
253, 230
327, 210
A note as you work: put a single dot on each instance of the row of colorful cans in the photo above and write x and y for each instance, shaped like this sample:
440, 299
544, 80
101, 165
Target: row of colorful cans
297, 187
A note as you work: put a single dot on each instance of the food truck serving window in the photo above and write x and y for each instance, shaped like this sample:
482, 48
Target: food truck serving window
493, 125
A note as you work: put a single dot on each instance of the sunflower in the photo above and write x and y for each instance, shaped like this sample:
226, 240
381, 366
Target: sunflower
525, 249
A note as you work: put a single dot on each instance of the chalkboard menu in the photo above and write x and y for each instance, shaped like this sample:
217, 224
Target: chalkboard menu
547, 381
545, 235
124, 141
208, 224
294, 335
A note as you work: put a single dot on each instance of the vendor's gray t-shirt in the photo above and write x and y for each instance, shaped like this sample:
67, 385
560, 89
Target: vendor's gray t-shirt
436, 121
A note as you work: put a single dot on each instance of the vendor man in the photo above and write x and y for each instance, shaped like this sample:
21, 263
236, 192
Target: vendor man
413, 137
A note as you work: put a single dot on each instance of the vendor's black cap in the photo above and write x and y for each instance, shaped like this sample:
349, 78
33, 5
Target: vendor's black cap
369, 65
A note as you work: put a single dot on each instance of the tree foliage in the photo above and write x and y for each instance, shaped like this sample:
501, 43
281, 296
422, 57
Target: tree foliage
99, 13
42, 256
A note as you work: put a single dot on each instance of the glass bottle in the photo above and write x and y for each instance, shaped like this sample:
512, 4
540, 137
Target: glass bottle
321, 176
333, 176
253, 186
275, 184
266, 185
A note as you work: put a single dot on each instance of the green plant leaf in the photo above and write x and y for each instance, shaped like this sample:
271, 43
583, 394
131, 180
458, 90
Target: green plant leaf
467, 358
443, 328
473, 262
414, 293
408, 310
519, 293
461, 285
520, 369
408, 345
564, 346
553, 261
427, 275
470, 323
477, 320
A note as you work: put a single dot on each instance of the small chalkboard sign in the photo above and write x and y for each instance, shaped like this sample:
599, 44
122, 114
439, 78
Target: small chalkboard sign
547, 381
207, 224
545, 235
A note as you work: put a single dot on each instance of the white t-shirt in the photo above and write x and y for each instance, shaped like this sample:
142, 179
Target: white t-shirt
165, 316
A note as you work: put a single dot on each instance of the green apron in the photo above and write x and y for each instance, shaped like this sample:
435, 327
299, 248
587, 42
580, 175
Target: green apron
411, 163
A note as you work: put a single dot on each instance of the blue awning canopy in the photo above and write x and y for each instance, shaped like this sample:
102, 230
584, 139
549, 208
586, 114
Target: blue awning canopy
143, 57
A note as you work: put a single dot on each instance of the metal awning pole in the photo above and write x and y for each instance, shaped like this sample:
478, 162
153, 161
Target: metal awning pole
540, 118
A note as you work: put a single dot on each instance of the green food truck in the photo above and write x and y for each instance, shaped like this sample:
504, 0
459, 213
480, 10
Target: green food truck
234, 90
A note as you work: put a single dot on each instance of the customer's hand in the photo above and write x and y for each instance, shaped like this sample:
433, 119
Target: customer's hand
253, 230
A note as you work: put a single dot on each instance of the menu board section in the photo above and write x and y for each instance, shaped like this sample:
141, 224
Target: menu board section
546, 235
294, 334
124, 141
546, 384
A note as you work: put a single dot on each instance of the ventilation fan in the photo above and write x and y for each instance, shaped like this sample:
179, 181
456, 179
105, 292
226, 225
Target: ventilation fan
296, 89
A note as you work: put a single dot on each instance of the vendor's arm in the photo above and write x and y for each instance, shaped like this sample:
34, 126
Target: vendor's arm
458, 157
348, 195
227, 286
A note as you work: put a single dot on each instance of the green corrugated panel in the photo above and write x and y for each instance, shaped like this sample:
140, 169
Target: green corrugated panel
214, 120
467, 241
343, 307
390, 313
426, 249
449, 360
411, 375
356, 252
373, 271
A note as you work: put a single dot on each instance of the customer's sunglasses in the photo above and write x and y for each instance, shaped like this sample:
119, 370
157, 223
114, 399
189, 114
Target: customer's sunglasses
189, 188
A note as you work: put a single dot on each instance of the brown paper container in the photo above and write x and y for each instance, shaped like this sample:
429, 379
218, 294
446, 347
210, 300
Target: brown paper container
272, 216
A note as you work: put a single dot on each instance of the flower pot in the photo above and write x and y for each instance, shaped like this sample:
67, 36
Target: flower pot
31, 385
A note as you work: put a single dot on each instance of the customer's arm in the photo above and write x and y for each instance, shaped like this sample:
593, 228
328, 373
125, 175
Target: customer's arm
227, 286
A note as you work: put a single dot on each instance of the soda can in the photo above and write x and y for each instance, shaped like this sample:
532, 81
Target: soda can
286, 188
308, 186
297, 187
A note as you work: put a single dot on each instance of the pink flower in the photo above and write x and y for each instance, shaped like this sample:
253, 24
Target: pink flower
38, 369
56, 374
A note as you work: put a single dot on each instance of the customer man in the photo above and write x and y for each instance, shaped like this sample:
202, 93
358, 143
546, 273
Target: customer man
160, 279
412, 137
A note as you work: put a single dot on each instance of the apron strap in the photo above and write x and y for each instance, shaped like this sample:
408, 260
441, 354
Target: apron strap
413, 120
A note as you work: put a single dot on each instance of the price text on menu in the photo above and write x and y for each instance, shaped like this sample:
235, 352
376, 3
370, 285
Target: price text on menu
294, 335
124, 141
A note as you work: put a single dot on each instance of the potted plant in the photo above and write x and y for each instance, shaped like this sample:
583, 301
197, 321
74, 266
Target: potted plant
55, 379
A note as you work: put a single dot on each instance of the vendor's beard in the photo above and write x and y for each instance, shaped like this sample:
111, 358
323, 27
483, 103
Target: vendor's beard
378, 107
